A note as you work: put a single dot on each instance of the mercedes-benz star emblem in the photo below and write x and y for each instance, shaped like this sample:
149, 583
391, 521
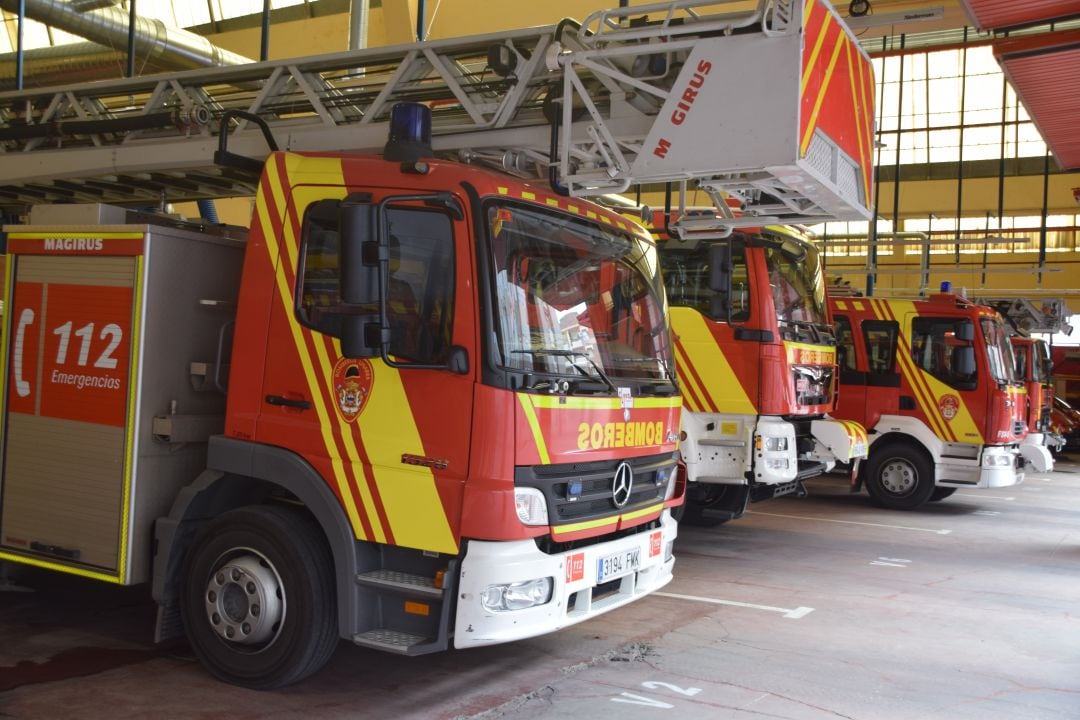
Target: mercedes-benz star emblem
622, 485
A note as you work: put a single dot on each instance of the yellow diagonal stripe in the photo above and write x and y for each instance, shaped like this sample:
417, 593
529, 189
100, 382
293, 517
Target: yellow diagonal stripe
534, 425
840, 42
818, 42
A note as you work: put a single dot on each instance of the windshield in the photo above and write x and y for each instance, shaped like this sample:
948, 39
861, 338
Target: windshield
798, 285
998, 350
1042, 365
577, 300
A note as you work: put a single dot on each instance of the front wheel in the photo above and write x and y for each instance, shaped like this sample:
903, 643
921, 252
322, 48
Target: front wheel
259, 600
940, 493
899, 477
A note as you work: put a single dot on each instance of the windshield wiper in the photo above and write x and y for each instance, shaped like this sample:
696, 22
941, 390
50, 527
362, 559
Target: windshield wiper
815, 332
559, 352
668, 375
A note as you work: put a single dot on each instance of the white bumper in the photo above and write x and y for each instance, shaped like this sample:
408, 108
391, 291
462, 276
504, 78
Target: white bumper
1036, 453
839, 440
998, 466
574, 574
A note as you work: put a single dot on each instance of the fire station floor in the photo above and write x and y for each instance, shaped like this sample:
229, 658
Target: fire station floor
818, 607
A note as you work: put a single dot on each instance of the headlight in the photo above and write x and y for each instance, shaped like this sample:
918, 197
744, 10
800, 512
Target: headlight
776, 443
517, 596
777, 464
531, 506
997, 460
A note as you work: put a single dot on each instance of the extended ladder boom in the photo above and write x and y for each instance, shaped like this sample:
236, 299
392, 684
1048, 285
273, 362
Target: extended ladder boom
773, 106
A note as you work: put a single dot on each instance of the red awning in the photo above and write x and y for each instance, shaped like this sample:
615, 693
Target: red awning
998, 14
1045, 72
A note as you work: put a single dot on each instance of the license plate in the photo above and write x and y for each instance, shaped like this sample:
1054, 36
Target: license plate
617, 564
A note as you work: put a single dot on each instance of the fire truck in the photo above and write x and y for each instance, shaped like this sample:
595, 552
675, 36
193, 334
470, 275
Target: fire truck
1034, 368
933, 382
756, 358
428, 399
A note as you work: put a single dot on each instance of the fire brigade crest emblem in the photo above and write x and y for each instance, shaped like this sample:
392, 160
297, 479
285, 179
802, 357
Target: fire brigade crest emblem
949, 406
352, 387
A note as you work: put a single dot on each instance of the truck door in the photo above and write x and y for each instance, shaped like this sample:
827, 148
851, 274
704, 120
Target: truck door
851, 402
882, 377
945, 390
392, 442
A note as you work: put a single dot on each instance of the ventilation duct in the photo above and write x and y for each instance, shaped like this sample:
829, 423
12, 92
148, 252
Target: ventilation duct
67, 65
156, 45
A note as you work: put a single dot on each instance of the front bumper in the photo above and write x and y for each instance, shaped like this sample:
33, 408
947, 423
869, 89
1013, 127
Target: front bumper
575, 596
998, 466
1036, 453
839, 440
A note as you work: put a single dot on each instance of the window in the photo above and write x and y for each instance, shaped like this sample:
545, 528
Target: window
1020, 355
420, 292
880, 345
686, 278
845, 344
944, 348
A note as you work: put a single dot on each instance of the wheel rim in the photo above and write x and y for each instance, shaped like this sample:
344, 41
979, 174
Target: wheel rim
899, 477
245, 600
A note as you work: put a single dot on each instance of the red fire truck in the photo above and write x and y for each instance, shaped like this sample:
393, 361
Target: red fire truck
429, 398
756, 358
1033, 368
932, 380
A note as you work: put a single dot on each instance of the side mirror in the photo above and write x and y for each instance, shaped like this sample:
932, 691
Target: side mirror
359, 253
720, 281
964, 361
458, 362
360, 336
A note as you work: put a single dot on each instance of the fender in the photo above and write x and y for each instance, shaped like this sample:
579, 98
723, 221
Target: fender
909, 428
240, 473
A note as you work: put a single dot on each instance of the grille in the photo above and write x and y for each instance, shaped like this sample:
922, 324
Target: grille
583, 491
813, 385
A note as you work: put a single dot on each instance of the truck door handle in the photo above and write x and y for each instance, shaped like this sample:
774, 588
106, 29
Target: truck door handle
286, 402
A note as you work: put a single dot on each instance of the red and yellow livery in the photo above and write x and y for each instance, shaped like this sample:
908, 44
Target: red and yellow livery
932, 380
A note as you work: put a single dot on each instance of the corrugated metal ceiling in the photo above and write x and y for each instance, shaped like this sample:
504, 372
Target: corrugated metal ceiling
998, 14
1045, 72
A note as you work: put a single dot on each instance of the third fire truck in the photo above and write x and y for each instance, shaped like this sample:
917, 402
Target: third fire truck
932, 380
1033, 368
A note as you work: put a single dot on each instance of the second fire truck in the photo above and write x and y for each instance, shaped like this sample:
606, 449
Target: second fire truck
756, 359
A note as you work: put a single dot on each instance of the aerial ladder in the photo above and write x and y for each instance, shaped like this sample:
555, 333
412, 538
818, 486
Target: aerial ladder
771, 106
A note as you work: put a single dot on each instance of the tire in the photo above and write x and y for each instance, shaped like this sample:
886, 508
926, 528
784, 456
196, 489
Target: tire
899, 476
940, 493
259, 602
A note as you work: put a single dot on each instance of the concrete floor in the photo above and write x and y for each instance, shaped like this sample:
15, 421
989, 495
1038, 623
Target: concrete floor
820, 607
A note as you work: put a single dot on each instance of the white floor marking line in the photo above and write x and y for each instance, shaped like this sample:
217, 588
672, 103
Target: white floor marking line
986, 497
799, 612
991, 513
851, 522
891, 562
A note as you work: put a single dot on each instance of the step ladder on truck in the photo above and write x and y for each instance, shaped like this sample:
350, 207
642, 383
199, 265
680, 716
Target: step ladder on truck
428, 398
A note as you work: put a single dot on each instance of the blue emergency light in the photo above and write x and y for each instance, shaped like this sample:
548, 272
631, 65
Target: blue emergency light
410, 133
946, 286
